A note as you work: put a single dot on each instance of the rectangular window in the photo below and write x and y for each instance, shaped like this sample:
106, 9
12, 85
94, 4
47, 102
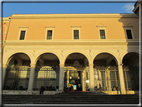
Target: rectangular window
129, 34
22, 35
76, 34
102, 34
49, 34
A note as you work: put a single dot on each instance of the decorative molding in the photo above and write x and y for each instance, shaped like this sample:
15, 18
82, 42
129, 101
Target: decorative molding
28, 16
98, 42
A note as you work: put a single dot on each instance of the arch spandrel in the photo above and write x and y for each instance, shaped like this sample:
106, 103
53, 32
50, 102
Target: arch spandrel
7, 56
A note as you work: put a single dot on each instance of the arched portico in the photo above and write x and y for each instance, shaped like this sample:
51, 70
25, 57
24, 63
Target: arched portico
16, 73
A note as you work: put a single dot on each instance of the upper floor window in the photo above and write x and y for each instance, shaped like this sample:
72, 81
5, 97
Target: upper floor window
22, 32
76, 34
129, 34
49, 34
102, 34
102, 31
22, 35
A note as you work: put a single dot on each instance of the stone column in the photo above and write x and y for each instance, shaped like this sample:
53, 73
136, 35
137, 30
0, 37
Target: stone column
4, 74
121, 79
31, 79
91, 79
67, 78
61, 78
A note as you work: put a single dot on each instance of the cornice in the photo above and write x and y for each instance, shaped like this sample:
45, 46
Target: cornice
71, 42
5, 19
28, 16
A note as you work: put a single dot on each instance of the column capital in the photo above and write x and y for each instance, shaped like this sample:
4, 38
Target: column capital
32, 65
91, 64
61, 64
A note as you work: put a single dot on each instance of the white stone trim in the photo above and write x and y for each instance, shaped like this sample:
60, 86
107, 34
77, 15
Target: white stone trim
77, 51
37, 56
6, 56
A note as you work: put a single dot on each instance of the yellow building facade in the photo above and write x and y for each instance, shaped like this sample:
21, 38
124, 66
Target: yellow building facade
91, 52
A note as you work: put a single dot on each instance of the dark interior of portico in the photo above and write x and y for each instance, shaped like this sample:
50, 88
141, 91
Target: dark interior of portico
47, 72
131, 71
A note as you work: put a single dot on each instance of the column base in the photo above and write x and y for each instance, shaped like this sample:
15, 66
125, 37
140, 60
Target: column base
123, 92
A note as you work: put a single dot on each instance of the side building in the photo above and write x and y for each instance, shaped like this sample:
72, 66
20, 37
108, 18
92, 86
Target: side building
90, 52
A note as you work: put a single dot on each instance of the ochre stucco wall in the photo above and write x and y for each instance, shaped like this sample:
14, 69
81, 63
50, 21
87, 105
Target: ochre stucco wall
63, 30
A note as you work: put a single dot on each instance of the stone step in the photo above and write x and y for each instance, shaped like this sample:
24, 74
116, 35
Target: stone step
70, 98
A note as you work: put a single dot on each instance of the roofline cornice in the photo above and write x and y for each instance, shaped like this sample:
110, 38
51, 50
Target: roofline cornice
5, 19
28, 16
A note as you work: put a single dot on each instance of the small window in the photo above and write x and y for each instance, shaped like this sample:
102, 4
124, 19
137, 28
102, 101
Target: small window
129, 34
76, 34
22, 35
49, 34
102, 34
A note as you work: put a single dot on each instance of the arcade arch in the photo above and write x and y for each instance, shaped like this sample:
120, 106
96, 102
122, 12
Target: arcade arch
47, 72
131, 71
76, 72
105, 72
17, 72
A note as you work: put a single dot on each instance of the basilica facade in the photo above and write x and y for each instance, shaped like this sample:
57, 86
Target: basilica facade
89, 52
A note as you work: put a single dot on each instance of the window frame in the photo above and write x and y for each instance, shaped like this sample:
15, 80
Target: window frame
103, 27
48, 28
22, 28
131, 29
76, 28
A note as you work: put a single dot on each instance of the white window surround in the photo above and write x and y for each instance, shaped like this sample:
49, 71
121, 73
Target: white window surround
46, 30
102, 27
75, 28
128, 28
22, 28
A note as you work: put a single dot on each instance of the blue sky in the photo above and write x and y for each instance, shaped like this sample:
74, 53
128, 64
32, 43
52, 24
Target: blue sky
66, 7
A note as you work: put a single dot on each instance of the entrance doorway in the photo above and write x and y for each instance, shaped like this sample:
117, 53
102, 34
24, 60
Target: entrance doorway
75, 81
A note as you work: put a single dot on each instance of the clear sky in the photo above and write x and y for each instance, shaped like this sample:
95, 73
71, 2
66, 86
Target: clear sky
66, 7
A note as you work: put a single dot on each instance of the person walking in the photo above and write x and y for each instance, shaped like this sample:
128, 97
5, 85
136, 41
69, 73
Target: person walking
42, 90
